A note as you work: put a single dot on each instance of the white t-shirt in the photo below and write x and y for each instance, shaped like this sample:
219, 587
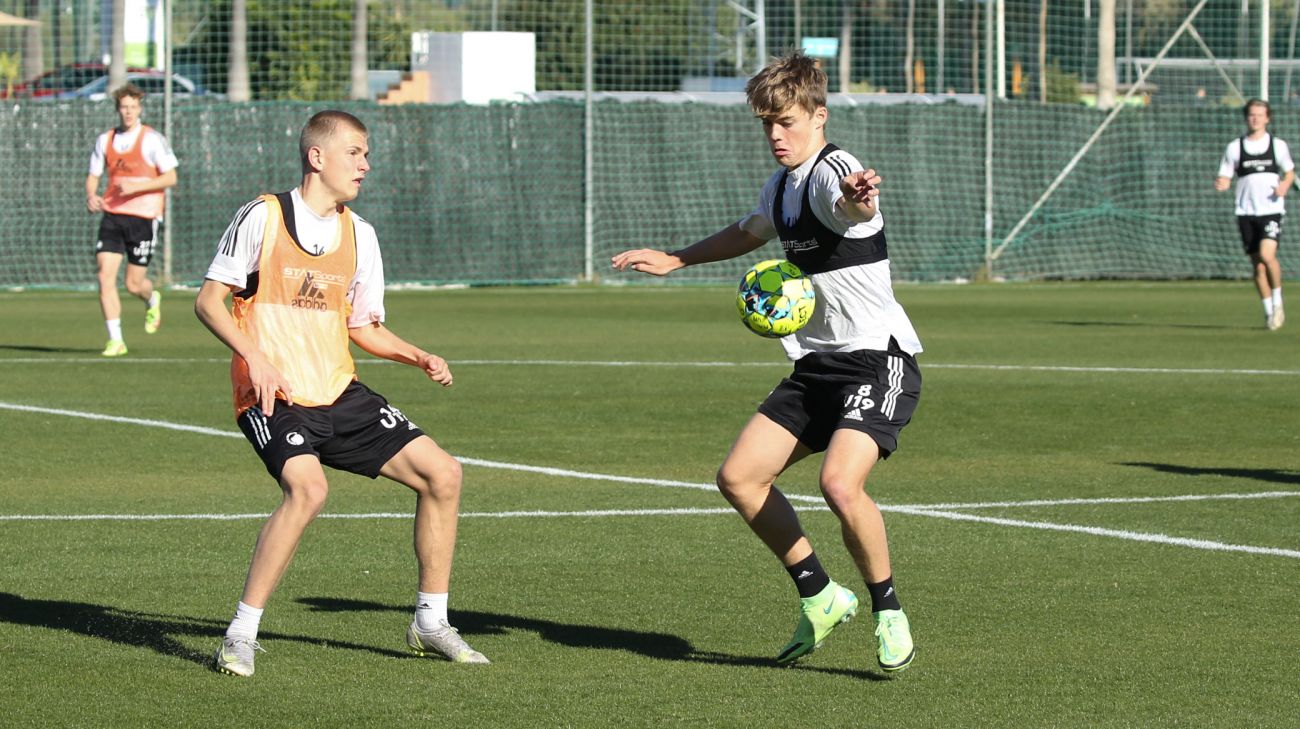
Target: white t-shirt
1255, 192
155, 150
856, 308
240, 250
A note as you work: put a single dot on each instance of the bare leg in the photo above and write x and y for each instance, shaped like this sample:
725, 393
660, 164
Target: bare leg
849, 460
762, 451
435, 477
1272, 274
137, 283
305, 491
108, 265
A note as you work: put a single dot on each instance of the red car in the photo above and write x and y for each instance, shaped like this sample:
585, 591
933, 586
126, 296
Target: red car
66, 78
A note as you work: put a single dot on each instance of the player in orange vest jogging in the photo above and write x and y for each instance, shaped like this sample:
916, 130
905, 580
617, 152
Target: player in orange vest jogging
140, 165
307, 278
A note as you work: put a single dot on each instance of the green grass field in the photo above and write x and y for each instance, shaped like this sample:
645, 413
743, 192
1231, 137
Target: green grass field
1093, 519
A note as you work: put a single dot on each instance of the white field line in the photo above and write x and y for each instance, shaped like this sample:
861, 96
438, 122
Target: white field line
703, 364
1102, 532
938, 510
1103, 500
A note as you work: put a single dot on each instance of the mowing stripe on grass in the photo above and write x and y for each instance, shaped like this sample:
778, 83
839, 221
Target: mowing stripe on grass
544, 470
703, 364
384, 515
938, 510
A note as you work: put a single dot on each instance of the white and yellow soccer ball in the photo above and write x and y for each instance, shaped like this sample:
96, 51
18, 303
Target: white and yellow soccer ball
775, 298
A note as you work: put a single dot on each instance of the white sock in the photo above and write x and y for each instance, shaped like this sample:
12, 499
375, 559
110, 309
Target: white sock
1268, 306
114, 329
430, 609
1277, 298
153, 300
245, 623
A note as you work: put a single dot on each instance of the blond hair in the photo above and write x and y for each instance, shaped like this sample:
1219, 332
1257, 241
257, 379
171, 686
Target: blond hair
793, 80
321, 127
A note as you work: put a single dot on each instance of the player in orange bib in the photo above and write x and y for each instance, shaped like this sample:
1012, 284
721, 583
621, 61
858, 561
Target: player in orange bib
140, 166
307, 279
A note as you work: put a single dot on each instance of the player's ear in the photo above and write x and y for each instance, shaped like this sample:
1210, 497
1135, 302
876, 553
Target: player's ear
819, 117
316, 158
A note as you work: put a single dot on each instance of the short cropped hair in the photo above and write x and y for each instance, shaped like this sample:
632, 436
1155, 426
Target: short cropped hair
321, 127
1268, 111
131, 90
793, 80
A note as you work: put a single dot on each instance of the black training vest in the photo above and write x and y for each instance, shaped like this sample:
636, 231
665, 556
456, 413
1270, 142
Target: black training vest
1249, 164
813, 247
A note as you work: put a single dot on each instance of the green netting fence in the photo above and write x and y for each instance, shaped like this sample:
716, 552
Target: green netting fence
496, 194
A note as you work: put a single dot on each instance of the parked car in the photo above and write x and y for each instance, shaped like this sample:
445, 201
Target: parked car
152, 83
65, 78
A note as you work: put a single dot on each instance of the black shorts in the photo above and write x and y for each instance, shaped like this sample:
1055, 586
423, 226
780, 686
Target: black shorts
359, 433
868, 390
1255, 228
128, 234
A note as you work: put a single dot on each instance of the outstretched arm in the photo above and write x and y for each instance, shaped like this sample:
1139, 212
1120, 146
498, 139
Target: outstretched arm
210, 307
380, 341
729, 242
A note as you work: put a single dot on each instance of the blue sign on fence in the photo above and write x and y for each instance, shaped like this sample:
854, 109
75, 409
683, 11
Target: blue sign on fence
821, 47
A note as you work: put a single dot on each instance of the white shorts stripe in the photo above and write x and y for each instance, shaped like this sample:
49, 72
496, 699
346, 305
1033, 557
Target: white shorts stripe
895, 387
257, 421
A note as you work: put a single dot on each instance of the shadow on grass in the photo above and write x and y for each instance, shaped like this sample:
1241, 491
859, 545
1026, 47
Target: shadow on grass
34, 348
662, 646
1148, 324
143, 630
1270, 475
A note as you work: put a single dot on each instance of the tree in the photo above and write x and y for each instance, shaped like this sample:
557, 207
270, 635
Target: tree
33, 48
360, 84
294, 50
638, 46
238, 88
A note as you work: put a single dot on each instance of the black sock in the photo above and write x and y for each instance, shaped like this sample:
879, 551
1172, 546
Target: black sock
883, 596
808, 575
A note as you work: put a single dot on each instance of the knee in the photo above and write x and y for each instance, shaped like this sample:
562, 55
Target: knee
841, 494
135, 287
733, 483
307, 497
440, 479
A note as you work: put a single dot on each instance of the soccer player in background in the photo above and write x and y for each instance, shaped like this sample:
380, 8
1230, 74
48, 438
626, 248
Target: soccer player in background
140, 167
855, 382
1264, 170
307, 277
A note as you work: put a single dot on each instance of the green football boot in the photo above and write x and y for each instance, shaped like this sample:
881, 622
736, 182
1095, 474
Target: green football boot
818, 616
114, 348
894, 637
153, 315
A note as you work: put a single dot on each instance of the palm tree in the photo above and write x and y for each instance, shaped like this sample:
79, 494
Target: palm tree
33, 48
237, 88
1042, 51
908, 66
117, 46
360, 84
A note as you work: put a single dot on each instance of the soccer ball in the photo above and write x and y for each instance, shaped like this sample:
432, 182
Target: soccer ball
775, 298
